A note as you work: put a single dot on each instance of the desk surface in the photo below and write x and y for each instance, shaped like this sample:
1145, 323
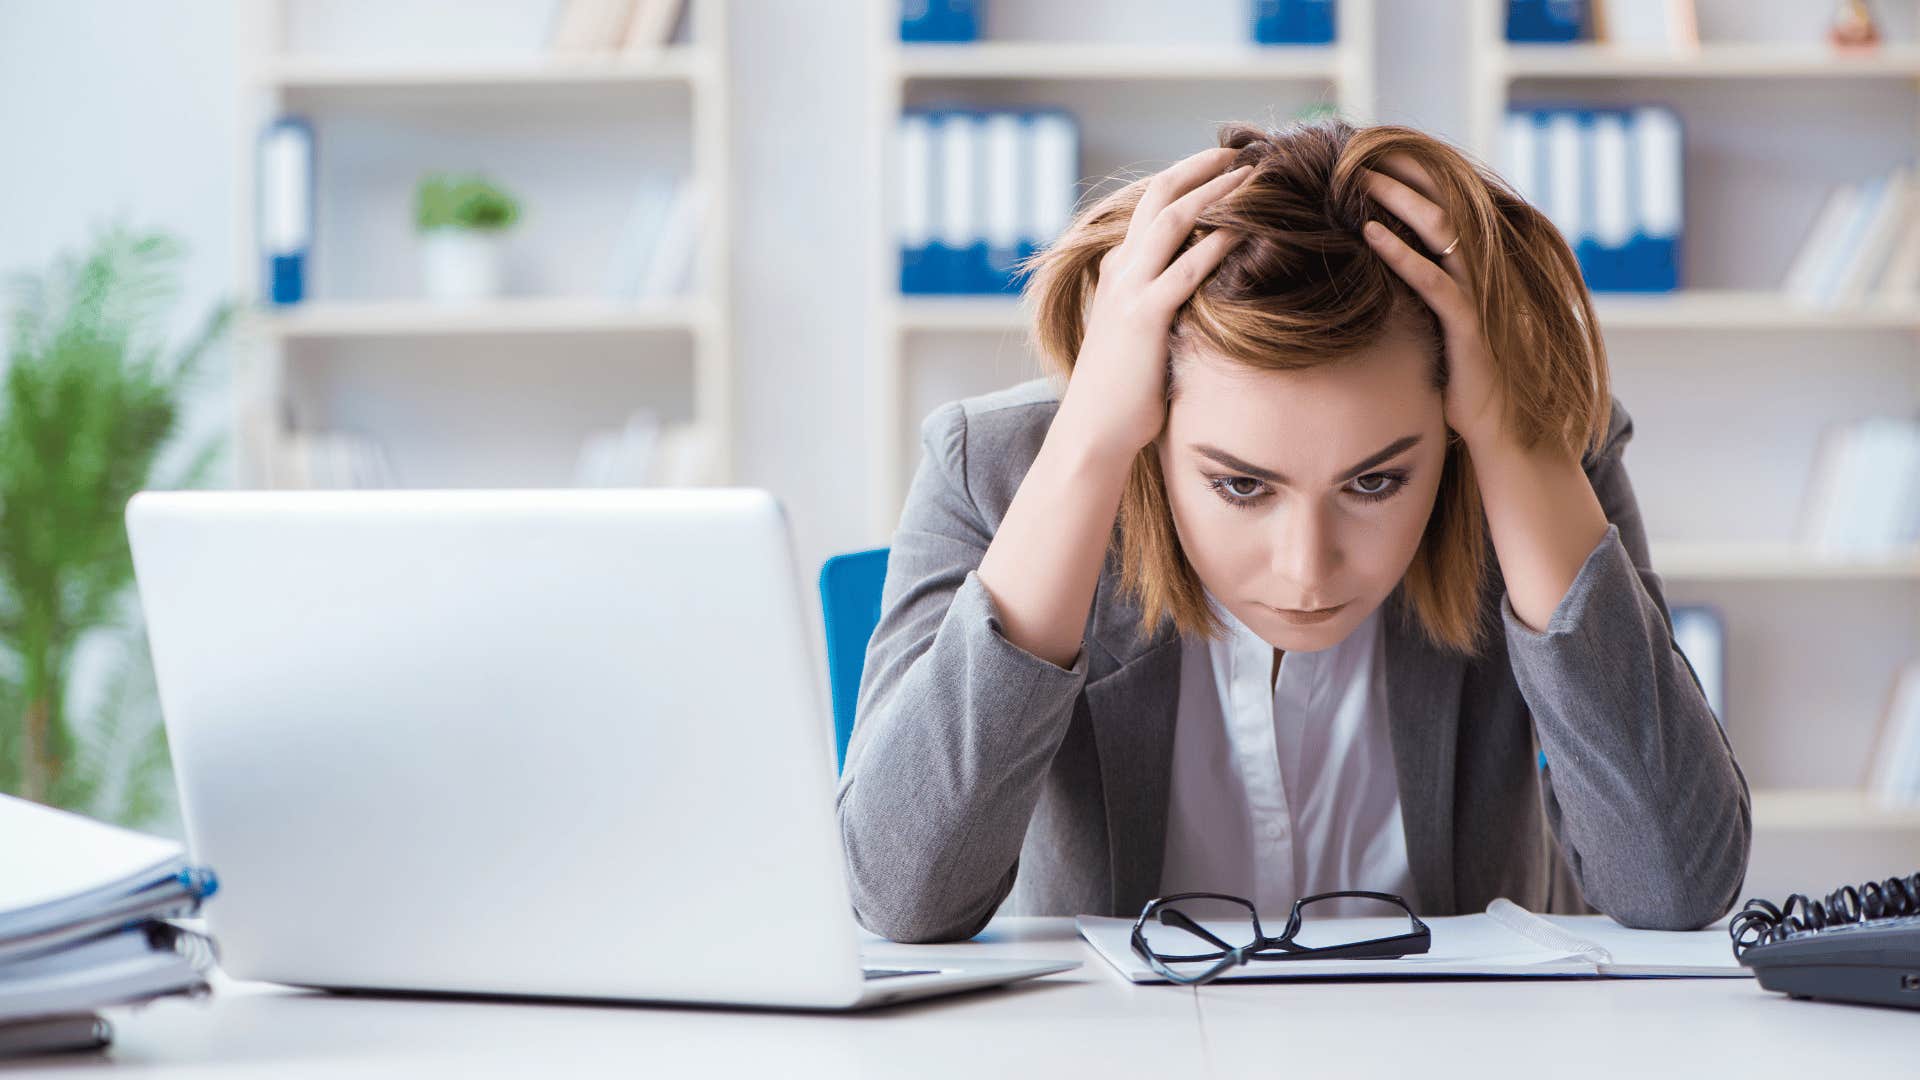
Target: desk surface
1085, 1022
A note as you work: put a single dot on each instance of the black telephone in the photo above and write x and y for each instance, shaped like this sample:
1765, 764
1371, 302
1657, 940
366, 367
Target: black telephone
1860, 944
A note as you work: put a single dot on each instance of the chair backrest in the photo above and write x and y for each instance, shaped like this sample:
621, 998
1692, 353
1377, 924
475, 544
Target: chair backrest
850, 606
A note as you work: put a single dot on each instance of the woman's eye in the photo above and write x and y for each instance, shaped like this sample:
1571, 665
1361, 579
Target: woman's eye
1245, 491
1388, 485
1241, 491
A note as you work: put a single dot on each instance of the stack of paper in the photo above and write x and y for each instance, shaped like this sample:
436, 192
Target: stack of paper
1507, 940
604, 27
1863, 245
647, 452
83, 925
1894, 778
653, 254
1863, 493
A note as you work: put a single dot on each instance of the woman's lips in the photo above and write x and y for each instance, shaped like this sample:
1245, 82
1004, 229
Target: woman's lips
1307, 618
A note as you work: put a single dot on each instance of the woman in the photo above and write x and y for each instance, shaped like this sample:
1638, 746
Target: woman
1273, 588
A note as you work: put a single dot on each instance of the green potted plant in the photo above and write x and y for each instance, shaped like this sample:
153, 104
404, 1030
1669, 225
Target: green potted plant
462, 221
91, 399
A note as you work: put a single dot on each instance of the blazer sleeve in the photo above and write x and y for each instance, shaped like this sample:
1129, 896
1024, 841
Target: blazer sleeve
955, 726
1641, 786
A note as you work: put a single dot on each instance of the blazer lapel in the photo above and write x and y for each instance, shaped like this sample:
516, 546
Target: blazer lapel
1132, 704
1423, 711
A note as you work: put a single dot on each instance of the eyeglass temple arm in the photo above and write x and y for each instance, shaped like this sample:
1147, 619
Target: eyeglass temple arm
1176, 917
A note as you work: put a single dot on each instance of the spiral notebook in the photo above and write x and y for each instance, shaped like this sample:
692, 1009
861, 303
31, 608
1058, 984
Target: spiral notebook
1506, 940
85, 910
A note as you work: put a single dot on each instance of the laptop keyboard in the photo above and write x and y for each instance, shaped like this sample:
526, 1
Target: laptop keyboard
888, 973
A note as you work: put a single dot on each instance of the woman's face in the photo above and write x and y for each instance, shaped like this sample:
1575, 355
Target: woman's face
1282, 496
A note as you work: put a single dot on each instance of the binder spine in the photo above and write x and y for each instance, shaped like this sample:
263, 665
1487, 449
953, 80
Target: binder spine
285, 208
940, 20
1545, 20
1294, 22
1002, 167
915, 148
1053, 176
958, 247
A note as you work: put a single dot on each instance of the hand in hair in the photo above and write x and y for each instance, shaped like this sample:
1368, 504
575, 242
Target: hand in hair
1120, 375
1041, 569
1473, 406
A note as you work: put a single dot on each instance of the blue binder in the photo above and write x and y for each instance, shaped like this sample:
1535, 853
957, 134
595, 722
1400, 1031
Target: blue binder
1545, 20
980, 191
1293, 22
939, 20
284, 202
1627, 229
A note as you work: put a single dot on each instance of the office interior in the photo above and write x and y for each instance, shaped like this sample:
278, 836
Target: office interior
784, 354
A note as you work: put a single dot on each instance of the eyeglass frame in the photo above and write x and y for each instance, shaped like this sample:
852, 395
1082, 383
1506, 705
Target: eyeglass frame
1228, 956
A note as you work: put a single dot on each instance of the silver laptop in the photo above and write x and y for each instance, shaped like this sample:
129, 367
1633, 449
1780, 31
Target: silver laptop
568, 743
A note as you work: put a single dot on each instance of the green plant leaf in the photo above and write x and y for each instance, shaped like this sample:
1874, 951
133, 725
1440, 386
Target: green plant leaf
90, 400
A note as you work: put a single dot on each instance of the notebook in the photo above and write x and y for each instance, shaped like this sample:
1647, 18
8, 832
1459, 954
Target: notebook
84, 910
1506, 940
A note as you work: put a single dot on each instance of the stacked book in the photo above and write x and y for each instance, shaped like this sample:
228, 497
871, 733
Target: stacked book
647, 452
332, 459
1863, 246
603, 27
85, 923
653, 253
1894, 778
1863, 498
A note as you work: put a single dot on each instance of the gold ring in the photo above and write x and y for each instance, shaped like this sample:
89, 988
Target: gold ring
1448, 250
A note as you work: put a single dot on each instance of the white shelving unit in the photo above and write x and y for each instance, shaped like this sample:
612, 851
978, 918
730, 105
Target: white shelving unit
1110, 76
1800, 832
277, 76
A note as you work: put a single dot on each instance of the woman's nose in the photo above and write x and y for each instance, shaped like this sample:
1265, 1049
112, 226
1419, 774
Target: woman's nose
1306, 555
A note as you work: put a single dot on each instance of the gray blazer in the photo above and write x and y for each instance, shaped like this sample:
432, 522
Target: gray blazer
979, 773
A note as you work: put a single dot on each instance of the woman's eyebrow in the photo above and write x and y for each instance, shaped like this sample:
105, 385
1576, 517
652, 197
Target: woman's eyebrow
1271, 476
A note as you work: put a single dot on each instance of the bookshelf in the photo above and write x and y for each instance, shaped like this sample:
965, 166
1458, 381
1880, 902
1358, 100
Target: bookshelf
1828, 113
432, 380
1173, 81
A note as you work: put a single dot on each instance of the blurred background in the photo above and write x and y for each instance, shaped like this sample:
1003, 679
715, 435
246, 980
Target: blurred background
421, 243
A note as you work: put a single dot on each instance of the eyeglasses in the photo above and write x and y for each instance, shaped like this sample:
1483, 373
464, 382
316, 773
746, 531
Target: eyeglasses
1312, 933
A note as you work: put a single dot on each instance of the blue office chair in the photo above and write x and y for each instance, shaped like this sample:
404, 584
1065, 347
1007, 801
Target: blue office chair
850, 606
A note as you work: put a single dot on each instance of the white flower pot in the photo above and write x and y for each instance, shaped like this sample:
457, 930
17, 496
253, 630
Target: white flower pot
458, 265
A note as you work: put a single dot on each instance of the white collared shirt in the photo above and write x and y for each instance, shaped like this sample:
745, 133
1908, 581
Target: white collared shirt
1282, 790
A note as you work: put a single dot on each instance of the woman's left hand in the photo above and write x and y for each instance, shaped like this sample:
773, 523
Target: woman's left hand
1472, 399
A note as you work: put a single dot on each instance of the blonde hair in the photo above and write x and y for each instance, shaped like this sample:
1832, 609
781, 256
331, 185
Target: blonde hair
1302, 290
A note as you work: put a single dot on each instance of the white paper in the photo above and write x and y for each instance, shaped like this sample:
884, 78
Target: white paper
1507, 940
61, 864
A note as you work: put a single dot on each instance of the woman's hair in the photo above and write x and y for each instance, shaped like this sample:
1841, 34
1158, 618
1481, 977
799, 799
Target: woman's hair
1303, 289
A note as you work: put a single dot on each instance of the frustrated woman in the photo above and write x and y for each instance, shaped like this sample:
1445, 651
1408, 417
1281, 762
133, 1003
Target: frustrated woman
1317, 538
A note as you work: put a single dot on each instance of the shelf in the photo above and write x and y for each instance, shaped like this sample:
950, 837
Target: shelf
1773, 562
297, 74
986, 314
322, 319
1051, 60
1830, 808
1757, 60
1726, 309
1692, 309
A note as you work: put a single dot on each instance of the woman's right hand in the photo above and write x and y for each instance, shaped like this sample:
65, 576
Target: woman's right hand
1118, 390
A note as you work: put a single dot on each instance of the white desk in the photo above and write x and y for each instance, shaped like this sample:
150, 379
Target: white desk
1088, 1022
